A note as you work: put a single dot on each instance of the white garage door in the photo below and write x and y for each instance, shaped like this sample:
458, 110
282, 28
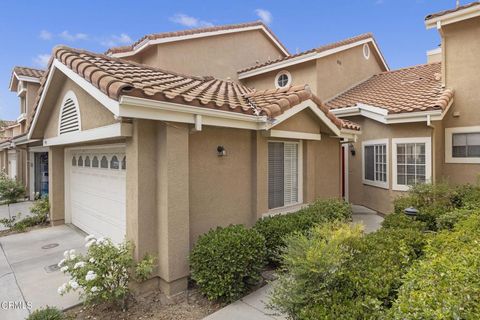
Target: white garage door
96, 191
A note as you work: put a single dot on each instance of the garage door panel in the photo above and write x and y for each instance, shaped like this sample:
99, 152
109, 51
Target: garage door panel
97, 195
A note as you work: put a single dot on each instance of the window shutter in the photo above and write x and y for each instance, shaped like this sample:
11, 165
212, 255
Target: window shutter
69, 118
291, 173
275, 175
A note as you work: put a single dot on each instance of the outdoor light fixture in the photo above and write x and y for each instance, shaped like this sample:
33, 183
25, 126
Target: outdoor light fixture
411, 212
352, 149
221, 151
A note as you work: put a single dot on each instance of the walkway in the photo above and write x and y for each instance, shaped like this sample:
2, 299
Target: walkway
253, 306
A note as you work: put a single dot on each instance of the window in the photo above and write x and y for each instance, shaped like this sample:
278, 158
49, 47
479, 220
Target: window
87, 161
114, 163
462, 145
74, 161
283, 79
104, 163
375, 166
95, 162
284, 173
366, 51
412, 165
80, 161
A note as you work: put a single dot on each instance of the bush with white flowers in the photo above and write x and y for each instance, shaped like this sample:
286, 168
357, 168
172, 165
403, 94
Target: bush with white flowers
103, 274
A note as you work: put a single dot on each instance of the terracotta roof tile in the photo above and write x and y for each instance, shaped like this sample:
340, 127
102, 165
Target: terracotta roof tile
162, 35
7, 123
442, 13
116, 77
315, 50
28, 72
417, 88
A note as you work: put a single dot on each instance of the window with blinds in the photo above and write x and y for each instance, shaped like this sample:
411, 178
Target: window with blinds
282, 174
466, 145
69, 117
375, 161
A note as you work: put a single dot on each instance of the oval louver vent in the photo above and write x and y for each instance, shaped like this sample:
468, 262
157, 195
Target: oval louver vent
69, 118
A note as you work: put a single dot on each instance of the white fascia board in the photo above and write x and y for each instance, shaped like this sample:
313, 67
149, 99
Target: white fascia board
453, 17
133, 107
293, 135
105, 100
308, 57
146, 43
300, 107
434, 51
28, 79
116, 130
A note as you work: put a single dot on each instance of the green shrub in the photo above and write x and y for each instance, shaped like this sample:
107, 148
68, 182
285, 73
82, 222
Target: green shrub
446, 283
226, 262
47, 313
104, 273
402, 221
336, 274
10, 189
275, 228
450, 219
40, 210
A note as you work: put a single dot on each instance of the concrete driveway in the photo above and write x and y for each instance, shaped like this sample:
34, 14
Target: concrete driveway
28, 271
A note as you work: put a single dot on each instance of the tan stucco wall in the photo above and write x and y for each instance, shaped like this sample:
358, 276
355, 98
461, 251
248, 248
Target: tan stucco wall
327, 76
219, 56
303, 73
377, 198
92, 113
436, 57
461, 47
32, 89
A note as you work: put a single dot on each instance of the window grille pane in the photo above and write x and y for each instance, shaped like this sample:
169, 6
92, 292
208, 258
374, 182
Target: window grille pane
290, 173
275, 175
411, 167
369, 163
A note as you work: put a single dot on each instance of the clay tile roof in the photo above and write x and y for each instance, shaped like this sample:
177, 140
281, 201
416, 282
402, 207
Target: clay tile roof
315, 50
417, 88
162, 35
442, 13
116, 77
7, 123
28, 72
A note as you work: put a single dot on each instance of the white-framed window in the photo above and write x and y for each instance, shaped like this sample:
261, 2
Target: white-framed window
412, 162
366, 51
375, 163
284, 173
462, 145
283, 79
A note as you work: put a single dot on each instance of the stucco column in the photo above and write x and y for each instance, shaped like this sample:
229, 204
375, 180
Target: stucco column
141, 188
260, 174
309, 173
173, 206
56, 184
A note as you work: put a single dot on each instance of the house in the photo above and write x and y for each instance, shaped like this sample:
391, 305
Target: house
419, 124
161, 156
21, 158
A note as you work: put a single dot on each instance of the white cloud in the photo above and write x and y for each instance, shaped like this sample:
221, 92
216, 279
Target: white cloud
73, 37
45, 35
41, 60
189, 21
116, 40
264, 15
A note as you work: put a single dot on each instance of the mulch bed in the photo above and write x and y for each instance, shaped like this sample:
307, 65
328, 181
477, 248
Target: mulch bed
154, 305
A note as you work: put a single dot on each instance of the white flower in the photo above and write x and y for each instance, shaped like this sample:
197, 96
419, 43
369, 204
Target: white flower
73, 284
90, 276
89, 243
63, 269
61, 262
72, 252
94, 289
61, 290
79, 264
72, 256
89, 237
101, 241
66, 254
92, 260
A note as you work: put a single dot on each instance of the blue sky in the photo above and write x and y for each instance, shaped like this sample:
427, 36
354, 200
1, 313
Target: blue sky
30, 29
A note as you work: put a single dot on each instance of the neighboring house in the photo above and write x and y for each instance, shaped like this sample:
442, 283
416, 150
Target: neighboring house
413, 130
24, 159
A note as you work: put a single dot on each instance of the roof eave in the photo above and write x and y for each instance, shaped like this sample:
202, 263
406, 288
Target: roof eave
464, 14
